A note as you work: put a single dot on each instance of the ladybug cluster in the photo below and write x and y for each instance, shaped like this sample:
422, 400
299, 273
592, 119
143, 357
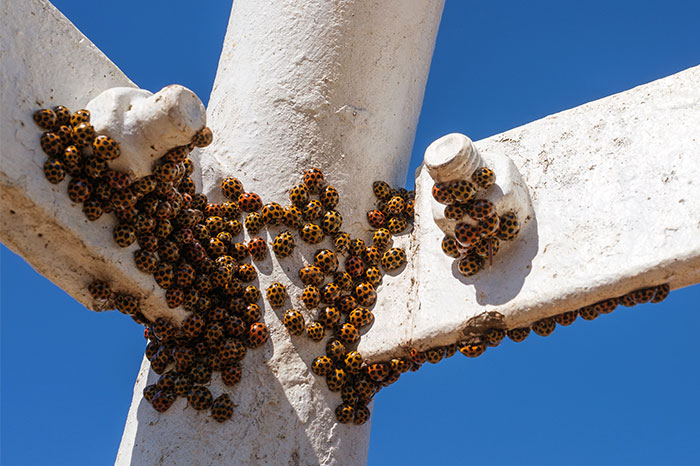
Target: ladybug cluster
340, 289
476, 345
185, 243
479, 228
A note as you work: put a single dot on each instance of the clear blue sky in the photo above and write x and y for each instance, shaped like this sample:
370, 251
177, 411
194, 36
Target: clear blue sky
620, 390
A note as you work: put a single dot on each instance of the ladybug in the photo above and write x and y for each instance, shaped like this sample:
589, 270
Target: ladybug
357, 247
315, 331
213, 210
329, 197
199, 398
341, 242
124, 235
311, 233
251, 313
348, 333
293, 217
105, 148
276, 295
343, 280
294, 322
494, 336
365, 294
145, 261
354, 266
508, 227
203, 137
214, 333
360, 317
606, 306
63, 115
218, 314
489, 227
479, 209
344, 413
470, 265
335, 350
329, 317
353, 362
361, 415
381, 239
235, 227
247, 273
375, 218
330, 293
311, 275
410, 210
371, 255
322, 366
377, 371
467, 234
331, 222
484, 177
183, 385
149, 392
45, 118
435, 355
381, 189
164, 275
399, 365
395, 206
183, 357
662, 292
272, 214
222, 275
418, 357
311, 296
450, 247
54, 171
313, 179
257, 248
566, 318
234, 326
627, 300
349, 394
257, 334
393, 259
462, 190
83, 135
283, 245
230, 210
80, 116
239, 251
193, 326
396, 225
253, 223
346, 304
232, 374
126, 304
299, 195
177, 154
313, 210
336, 379
232, 350
455, 211
544, 327
144, 223
451, 350
51, 144
249, 202
326, 260
222, 408
391, 378
644, 295
73, 161
79, 190
163, 400
168, 251
487, 248
472, 348
373, 276
588, 313
117, 180
232, 188
443, 194
99, 289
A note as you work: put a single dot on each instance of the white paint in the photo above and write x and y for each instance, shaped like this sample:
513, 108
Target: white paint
614, 186
146, 125
332, 84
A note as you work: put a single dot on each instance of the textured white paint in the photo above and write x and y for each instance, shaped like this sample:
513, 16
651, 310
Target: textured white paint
146, 125
332, 84
614, 185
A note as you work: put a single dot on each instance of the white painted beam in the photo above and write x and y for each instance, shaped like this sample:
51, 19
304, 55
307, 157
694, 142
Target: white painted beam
333, 84
614, 186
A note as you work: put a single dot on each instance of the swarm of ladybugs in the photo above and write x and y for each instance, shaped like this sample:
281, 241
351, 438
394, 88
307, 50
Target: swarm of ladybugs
479, 228
189, 246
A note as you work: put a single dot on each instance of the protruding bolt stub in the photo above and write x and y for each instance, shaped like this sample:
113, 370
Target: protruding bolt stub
452, 157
